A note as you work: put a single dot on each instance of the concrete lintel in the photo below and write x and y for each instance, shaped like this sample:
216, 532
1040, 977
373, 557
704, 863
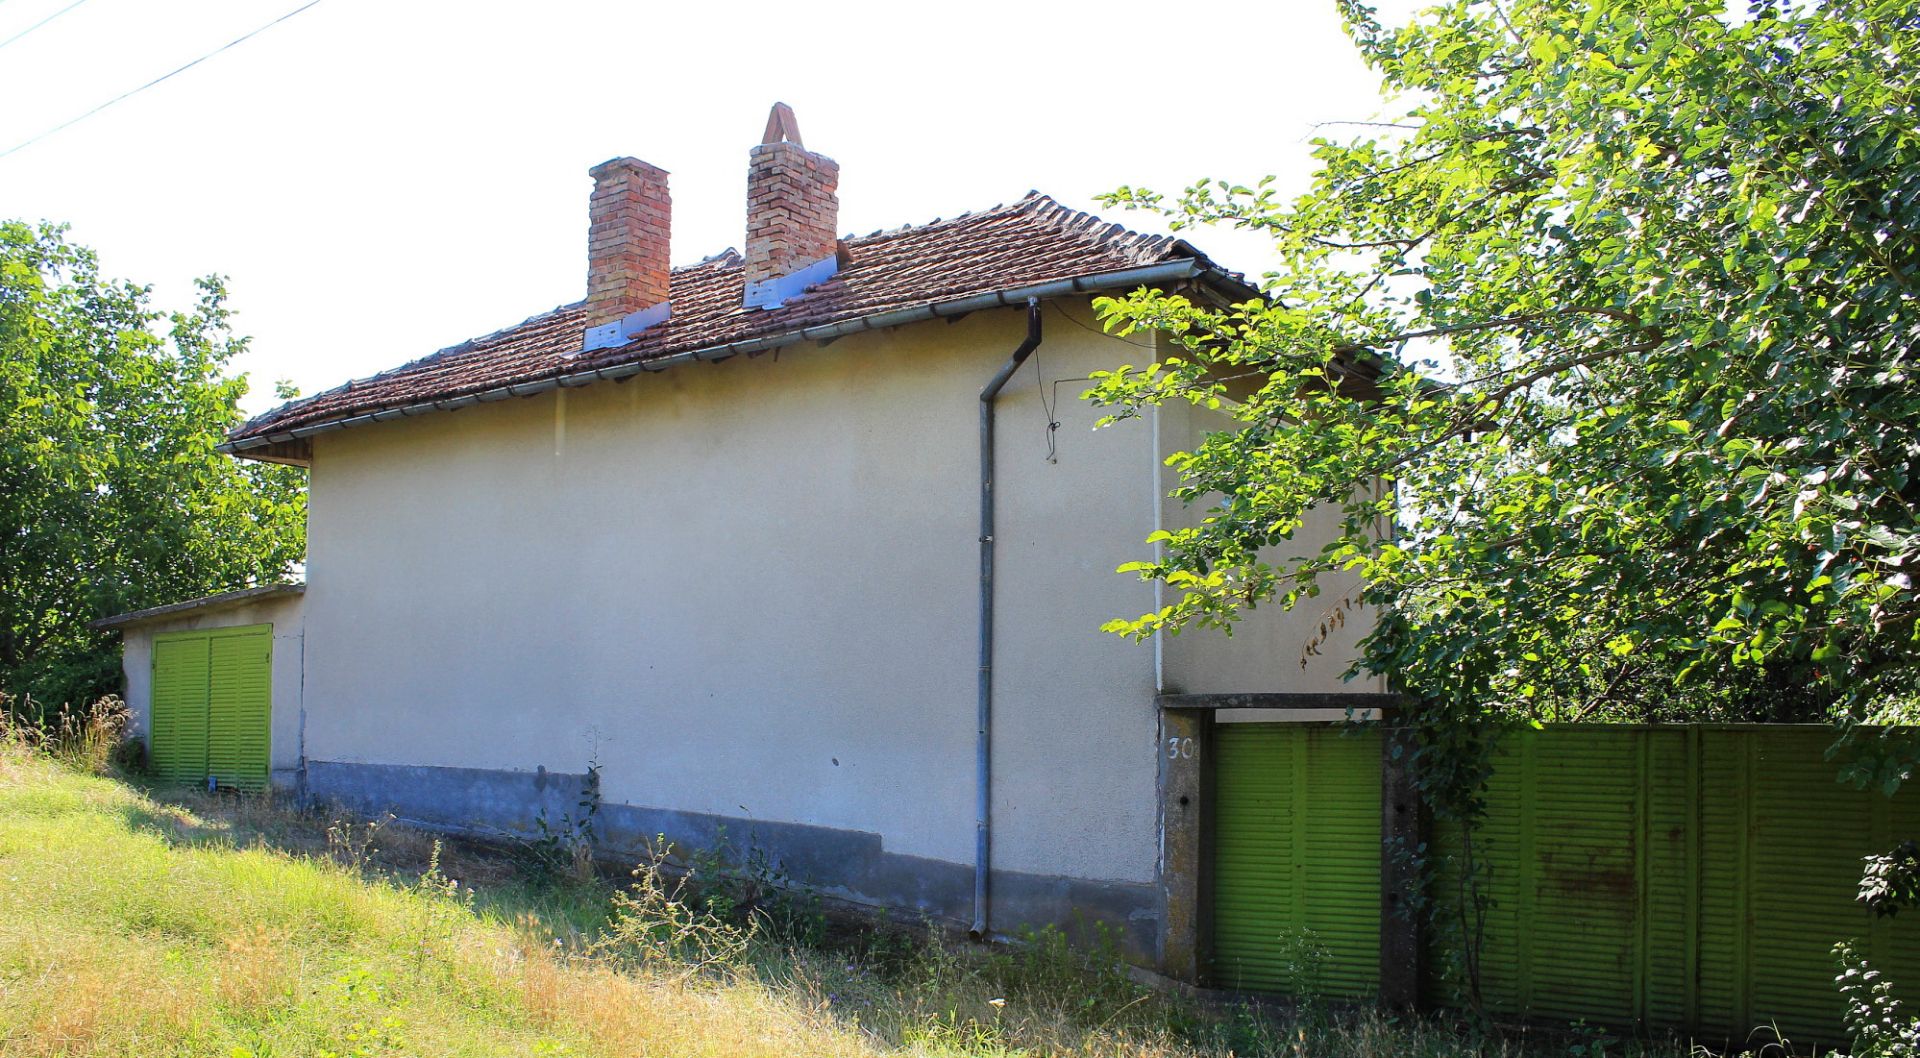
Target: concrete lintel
206, 602
1282, 700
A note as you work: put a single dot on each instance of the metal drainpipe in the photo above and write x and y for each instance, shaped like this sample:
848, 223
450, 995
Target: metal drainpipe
983, 830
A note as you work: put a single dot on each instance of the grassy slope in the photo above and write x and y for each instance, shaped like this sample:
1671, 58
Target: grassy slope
135, 924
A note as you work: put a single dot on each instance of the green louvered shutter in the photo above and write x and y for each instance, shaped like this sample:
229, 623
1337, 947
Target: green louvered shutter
178, 740
1296, 871
239, 707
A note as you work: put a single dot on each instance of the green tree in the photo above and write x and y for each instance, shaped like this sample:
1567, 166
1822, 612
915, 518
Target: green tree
111, 495
1624, 306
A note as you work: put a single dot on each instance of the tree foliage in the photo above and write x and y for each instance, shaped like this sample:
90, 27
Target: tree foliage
1624, 307
111, 495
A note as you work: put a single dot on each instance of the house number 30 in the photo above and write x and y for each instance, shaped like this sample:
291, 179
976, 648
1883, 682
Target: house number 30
1180, 748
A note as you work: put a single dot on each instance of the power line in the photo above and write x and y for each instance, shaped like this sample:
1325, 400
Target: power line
249, 35
42, 22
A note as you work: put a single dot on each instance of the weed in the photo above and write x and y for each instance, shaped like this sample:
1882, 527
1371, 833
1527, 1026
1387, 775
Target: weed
1591, 1041
441, 907
750, 886
1873, 1017
1089, 982
92, 740
350, 842
368, 1034
1304, 960
657, 927
564, 850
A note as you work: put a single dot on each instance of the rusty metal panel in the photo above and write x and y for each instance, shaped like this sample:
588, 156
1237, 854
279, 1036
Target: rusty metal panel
1561, 856
1296, 877
1686, 878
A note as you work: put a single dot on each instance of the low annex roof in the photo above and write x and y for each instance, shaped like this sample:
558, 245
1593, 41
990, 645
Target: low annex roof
206, 602
889, 277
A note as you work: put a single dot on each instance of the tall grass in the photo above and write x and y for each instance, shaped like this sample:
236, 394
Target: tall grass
86, 739
176, 922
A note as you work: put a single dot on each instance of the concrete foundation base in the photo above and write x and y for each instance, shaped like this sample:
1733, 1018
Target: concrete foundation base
847, 865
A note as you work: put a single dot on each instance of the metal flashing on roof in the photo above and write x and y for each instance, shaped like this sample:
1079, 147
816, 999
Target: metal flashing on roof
205, 602
775, 292
626, 328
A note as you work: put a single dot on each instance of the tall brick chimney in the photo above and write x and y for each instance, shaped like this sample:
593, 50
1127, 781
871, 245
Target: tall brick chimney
791, 215
627, 270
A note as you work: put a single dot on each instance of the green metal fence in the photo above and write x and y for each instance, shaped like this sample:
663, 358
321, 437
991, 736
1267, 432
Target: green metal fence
1690, 878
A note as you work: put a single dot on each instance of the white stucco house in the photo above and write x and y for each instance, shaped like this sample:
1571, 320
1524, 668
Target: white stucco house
719, 530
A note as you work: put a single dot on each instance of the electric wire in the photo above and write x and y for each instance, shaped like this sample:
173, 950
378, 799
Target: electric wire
1052, 406
42, 22
1095, 330
249, 35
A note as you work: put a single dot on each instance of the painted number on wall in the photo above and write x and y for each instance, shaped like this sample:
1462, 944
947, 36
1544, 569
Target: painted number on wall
1180, 748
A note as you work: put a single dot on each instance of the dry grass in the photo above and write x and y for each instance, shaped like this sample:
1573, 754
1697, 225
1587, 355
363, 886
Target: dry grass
178, 923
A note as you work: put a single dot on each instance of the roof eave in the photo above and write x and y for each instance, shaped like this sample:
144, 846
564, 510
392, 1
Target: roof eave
1196, 267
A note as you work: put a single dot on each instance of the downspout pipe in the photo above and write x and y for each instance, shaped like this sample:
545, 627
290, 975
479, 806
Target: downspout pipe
983, 752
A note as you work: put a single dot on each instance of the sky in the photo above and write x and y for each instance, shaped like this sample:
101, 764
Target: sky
381, 180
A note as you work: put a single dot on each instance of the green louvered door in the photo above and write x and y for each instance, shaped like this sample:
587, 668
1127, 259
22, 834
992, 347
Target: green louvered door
1575, 854
1781, 865
238, 707
178, 742
1296, 860
212, 704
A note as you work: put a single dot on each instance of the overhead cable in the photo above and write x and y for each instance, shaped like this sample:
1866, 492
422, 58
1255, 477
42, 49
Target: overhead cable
136, 91
42, 22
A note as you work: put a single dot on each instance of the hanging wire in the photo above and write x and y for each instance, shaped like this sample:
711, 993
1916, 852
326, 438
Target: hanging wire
1096, 330
42, 22
1050, 402
136, 91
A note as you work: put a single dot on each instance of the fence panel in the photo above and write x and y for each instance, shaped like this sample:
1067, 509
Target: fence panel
1690, 878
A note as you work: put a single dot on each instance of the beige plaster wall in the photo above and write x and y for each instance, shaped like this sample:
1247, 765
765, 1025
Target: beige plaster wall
1267, 648
749, 588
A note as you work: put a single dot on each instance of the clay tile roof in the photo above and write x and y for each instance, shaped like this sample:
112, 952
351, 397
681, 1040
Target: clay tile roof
1032, 241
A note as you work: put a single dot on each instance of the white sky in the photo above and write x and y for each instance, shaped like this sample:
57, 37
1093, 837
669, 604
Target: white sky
380, 180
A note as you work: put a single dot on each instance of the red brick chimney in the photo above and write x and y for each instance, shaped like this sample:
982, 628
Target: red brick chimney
791, 215
627, 269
